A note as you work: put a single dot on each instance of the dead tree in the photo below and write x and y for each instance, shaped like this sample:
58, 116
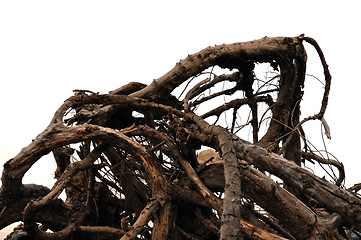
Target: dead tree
128, 163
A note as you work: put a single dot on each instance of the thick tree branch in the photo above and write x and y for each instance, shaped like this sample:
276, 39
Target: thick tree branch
132, 157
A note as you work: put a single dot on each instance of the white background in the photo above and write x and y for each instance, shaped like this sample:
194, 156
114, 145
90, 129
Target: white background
48, 48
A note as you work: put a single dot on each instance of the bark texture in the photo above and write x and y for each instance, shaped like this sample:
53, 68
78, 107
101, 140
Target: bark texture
131, 166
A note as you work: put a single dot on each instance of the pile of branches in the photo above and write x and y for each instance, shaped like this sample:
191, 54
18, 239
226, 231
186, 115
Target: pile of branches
128, 161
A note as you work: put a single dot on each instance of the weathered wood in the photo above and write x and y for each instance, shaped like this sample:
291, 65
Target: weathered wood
127, 160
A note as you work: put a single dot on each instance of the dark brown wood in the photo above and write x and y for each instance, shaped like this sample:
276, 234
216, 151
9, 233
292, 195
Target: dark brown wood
127, 160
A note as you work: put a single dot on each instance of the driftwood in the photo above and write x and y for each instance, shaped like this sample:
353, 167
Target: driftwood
128, 162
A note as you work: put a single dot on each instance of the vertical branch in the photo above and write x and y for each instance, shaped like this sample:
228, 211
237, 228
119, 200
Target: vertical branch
327, 76
90, 188
231, 216
253, 105
163, 222
234, 119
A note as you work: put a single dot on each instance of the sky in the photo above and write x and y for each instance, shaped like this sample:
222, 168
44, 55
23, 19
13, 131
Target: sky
48, 48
